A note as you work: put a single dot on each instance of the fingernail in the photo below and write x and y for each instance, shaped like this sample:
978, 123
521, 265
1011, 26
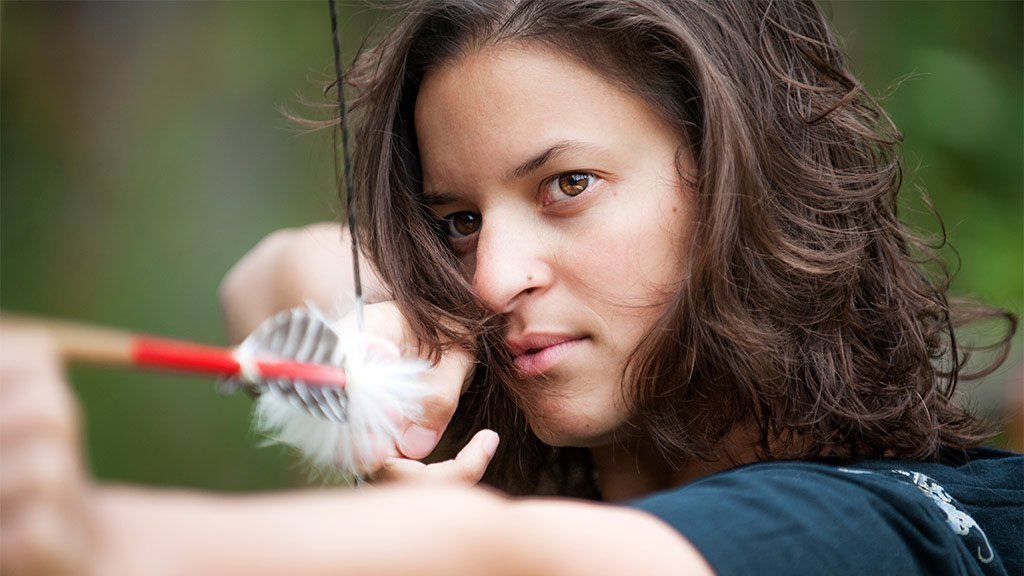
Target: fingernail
418, 442
491, 443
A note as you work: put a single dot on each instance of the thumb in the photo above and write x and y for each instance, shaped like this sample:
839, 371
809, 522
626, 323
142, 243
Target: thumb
471, 462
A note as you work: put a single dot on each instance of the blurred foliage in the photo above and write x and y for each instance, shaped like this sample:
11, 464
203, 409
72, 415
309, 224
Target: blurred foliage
143, 151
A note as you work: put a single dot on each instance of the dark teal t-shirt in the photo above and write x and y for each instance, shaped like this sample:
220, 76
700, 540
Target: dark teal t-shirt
964, 515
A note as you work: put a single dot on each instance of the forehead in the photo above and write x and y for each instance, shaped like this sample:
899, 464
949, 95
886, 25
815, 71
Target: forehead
492, 107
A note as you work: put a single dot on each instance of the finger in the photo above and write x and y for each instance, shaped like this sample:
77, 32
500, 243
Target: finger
471, 462
418, 441
446, 382
383, 320
42, 539
41, 469
379, 349
25, 355
400, 470
371, 453
24, 416
37, 401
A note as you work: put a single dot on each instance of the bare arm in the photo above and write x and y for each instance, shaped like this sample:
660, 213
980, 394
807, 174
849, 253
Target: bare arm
420, 529
289, 268
55, 521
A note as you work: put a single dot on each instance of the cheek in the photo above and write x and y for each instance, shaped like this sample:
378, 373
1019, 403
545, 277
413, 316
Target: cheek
636, 258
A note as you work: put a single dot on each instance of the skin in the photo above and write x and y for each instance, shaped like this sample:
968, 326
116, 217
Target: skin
597, 266
566, 267
54, 521
46, 520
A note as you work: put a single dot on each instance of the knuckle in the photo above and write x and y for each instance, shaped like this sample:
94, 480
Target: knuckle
463, 472
391, 473
397, 470
48, 471
438, 407
33, 545
45, 547
26, 347
58, 420
34, 413
468, 473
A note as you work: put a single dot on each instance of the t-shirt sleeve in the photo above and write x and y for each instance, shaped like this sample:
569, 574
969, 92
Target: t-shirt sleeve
798, 518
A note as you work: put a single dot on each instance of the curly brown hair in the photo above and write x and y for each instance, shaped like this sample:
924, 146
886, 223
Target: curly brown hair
808, 311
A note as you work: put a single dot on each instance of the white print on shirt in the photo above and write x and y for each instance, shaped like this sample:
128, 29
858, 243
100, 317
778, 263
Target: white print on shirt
958, 520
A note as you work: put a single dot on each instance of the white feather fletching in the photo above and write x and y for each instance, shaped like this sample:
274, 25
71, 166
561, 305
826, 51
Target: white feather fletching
382, 389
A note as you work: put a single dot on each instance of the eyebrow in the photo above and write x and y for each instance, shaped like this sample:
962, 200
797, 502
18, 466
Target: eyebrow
538, 161
431, 198
435, 198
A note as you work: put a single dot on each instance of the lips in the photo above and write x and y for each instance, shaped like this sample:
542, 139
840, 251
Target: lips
538, 353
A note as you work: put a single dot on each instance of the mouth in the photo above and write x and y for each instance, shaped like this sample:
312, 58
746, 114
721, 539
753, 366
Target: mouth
537, 354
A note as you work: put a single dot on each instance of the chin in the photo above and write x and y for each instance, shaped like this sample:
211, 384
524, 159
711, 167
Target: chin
575, 434
580, 421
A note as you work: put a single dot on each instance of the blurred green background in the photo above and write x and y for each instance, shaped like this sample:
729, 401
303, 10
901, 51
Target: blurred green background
143, 151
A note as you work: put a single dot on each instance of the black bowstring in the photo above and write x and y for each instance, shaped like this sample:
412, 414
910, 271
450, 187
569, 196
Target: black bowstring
349, 179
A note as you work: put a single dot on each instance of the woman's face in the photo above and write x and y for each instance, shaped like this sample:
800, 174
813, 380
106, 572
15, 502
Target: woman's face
561, 195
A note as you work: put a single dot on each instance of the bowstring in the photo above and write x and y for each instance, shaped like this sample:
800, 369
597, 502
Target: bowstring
349, 179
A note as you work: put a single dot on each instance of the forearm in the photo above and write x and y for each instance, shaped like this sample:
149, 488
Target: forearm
410, 530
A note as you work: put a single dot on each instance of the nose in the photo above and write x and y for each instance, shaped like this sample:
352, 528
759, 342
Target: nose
511, 262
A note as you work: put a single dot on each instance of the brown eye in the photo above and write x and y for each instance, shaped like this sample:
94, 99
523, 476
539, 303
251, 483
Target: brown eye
573, 184
462, 224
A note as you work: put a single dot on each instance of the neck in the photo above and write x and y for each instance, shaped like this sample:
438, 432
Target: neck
633, 469
629, 471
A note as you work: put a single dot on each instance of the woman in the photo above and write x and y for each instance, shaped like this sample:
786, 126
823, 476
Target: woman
653, 246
